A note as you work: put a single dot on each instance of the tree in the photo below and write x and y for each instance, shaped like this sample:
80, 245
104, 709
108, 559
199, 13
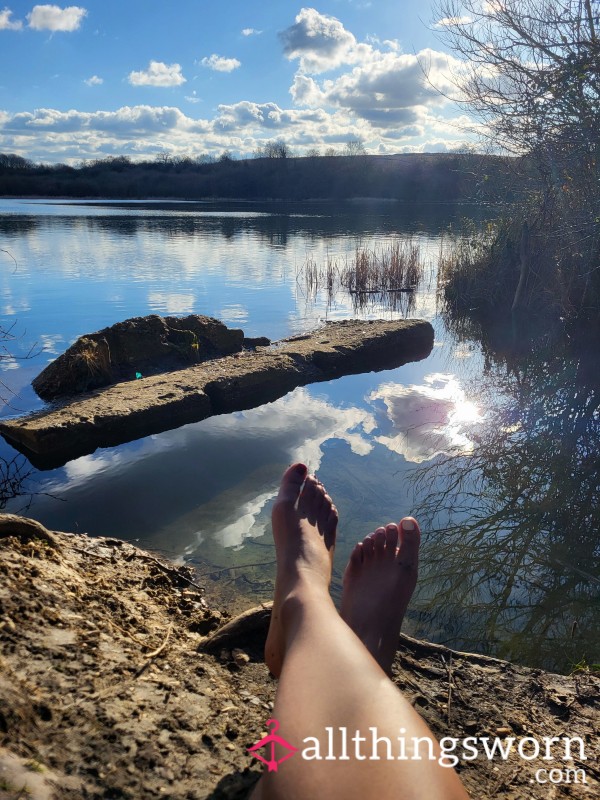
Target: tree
12, 161
276, 149
531, 68
355, 147
530, 72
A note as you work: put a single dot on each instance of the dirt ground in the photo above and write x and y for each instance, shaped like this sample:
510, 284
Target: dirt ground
119, 680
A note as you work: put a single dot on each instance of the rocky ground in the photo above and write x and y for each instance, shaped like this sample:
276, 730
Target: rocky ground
118, 679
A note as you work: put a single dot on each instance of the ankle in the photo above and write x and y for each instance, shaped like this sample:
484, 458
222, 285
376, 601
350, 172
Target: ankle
304, 599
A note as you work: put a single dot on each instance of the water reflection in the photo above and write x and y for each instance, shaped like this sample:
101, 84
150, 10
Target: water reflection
82, 267
427, 420
15, 482
274, 225
191, 466
516, 558
183, 493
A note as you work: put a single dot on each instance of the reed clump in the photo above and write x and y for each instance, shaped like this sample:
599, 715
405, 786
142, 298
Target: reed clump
381, 273
395, 267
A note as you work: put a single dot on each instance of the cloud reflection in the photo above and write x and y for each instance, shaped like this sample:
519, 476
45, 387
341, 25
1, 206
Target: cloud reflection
186, 480
426, 420
171, 302
233, 535
179, 484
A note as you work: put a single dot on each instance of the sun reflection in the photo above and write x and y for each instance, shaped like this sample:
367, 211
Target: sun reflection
428, 419
464, 412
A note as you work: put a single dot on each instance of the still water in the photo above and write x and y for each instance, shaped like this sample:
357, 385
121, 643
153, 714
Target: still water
462, 440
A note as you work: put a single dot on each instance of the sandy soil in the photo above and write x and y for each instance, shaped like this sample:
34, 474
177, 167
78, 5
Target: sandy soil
119, 680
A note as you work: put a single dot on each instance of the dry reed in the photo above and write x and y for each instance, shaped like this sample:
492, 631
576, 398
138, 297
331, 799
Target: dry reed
379, 274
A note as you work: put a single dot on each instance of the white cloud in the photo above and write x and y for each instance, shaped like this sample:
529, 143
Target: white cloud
378, 94
267, 116
6, 24
54, 18
320, 42
390, 93
387, 89
142, 131
250, 32
136, 131
129, 120
158, 74
220, 64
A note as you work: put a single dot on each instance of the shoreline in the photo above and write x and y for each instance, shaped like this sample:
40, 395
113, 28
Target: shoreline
118, 674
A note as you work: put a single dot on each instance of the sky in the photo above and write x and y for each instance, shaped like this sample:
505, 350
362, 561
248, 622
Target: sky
190, 77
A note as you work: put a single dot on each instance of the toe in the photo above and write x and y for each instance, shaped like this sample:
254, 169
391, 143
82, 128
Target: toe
356, 556
410, 537
326, 504
379, 541
368, 548
314, 504
391, 540
311, 489
291, 483
331, 527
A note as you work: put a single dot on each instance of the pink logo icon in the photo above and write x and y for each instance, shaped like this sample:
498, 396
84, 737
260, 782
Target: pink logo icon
269, 742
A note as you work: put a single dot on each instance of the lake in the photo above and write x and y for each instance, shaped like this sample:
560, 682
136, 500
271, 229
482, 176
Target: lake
490, 441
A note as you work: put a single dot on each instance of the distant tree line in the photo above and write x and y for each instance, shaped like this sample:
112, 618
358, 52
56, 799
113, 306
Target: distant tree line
272, 173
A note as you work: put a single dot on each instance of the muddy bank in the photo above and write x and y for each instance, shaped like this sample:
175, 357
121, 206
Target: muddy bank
131, 410
120, 679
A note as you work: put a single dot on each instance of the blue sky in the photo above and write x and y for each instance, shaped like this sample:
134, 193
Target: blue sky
141, 77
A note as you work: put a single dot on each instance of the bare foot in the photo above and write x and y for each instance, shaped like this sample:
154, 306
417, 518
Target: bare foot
378, 584
304, 527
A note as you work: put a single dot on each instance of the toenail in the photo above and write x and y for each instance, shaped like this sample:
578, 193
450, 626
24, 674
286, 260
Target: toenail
301, 468
408, 525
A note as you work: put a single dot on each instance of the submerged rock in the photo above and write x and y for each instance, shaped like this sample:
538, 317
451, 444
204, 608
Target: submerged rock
138, 346
132, 409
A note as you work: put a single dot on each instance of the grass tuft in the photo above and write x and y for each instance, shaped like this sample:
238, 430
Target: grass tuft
381, 274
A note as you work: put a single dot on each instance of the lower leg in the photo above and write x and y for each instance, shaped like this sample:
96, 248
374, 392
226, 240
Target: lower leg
330, 680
